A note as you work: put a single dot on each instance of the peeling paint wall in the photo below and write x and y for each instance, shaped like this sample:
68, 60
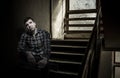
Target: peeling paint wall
58, 14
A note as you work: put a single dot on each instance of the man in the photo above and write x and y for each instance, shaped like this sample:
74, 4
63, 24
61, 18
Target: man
34, 45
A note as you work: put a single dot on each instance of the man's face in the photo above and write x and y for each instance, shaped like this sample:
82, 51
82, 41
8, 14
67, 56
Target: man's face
30, 25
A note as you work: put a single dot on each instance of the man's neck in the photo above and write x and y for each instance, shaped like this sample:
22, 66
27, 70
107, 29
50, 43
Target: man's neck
35, 32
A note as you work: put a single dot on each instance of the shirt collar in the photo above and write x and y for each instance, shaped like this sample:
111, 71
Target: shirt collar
35, 32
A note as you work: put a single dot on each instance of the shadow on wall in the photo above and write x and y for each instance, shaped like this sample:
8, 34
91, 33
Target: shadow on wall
19, 31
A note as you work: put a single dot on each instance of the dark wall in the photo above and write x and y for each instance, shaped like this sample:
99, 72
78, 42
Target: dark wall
111, 24
13, 13
38, 9
6, 50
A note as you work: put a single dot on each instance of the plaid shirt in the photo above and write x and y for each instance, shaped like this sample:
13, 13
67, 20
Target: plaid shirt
38, 44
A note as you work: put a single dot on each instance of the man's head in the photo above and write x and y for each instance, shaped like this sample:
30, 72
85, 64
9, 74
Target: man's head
30, 24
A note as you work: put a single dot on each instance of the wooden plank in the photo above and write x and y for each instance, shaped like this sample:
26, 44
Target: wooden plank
80, 25
86, 18
82, 11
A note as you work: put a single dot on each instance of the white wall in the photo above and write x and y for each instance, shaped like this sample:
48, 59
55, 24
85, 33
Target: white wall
58, 14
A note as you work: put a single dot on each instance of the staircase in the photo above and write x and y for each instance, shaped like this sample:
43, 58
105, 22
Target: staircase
67, 56
79, 23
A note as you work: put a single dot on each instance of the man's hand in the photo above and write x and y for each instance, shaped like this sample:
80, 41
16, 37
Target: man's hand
42, 63
30, 57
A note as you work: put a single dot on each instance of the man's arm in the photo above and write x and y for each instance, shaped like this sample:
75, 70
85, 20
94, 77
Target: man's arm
46, 54
22, 43
22, 49
47, 48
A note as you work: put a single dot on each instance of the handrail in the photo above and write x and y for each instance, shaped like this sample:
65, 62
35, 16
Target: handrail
92, 46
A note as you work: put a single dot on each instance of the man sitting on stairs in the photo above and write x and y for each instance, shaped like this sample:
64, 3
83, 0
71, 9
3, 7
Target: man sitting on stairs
33, 47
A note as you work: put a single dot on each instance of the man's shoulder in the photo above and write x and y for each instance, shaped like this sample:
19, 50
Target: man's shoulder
43, 31
24, 34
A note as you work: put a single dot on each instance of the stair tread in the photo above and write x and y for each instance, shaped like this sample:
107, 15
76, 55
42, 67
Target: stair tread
61, 61
66, 53
76, 40
55, 45
63, 72
79, 30
80, 25
79, 35
85, 18
82, 11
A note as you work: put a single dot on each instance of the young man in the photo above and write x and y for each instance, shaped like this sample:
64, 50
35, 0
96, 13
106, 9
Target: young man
34, 45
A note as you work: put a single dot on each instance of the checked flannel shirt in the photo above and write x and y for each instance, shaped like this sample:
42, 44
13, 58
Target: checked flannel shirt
38, 44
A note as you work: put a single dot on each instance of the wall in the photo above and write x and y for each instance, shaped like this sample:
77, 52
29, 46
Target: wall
58, 14
111, 15
105, 64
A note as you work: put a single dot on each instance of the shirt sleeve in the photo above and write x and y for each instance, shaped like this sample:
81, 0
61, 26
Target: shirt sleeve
47, 42
22, 43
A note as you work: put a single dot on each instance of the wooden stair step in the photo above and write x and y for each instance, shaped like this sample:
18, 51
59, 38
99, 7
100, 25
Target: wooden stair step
66, 53
77, 58
73, 42
69, 40
77, 35
73, 19
68, 46
82, 11
80, 25
82, 36
68, 49
65, 67
63, 72
65, 62
79, 31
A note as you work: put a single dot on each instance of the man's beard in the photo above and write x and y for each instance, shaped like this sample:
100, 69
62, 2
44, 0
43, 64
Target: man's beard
29, 31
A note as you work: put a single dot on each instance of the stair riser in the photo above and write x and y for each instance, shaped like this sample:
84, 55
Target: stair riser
54, 75
65, 67
74, 58
73, 43
68, 49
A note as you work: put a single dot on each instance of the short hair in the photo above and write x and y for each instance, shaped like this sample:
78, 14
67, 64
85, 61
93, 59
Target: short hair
27, 18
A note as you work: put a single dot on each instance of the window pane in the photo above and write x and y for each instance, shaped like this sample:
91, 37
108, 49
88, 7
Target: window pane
117, 72
82, 4
117, 56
